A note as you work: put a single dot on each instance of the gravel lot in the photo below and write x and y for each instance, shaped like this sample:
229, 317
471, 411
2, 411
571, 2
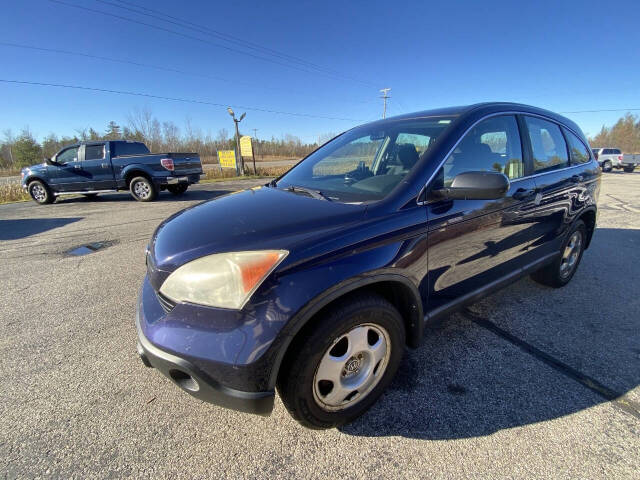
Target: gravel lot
530, 383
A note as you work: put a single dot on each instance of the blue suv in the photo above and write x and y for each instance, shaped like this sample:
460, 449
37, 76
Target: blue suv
315, 283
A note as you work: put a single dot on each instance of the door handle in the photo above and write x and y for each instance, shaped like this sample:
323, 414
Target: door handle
523, 193
77, 167
577, 178
104, 165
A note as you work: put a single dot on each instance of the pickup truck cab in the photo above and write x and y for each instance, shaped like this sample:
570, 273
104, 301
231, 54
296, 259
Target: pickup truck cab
90, 168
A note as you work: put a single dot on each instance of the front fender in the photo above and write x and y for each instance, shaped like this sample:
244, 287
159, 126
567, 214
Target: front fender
307, 292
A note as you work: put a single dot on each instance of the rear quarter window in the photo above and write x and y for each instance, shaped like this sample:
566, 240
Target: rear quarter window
548, 145
578, 153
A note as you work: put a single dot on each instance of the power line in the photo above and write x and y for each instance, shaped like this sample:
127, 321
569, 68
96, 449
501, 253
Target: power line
186, 35
175, 99
141, 10
162, 68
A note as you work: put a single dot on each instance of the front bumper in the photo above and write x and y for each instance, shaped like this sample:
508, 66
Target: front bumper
190, 377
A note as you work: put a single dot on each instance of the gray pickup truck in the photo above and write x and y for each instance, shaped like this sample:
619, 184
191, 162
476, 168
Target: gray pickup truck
90, 168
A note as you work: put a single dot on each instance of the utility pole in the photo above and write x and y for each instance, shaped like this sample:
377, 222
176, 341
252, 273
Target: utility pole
255, 137
384, 97
255, 134
239, 162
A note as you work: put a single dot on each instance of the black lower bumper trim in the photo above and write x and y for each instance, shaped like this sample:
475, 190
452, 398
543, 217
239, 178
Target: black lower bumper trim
200, 385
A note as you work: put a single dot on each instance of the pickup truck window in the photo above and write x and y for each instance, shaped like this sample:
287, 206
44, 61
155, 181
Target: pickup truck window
549, 147
94, 152
124, 148
68, 155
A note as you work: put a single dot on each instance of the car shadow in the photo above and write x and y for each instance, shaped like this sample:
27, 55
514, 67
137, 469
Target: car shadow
25, 227
467, 381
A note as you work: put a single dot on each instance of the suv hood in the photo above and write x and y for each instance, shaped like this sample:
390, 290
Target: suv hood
254, 219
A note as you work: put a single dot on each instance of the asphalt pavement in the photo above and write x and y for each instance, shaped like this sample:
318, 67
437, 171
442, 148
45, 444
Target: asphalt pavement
531, 382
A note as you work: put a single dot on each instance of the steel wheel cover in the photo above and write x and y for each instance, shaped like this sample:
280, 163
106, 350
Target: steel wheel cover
351, 367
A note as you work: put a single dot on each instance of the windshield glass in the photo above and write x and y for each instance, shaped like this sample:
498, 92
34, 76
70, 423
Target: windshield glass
366, 163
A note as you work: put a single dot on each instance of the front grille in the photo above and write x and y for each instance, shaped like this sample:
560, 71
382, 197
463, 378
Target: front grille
167, 305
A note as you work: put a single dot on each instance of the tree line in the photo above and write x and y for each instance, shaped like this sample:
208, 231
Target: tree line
17, 151
624, 134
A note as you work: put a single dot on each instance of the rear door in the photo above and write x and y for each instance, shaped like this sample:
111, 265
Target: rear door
96, 167
557, 184
475, 242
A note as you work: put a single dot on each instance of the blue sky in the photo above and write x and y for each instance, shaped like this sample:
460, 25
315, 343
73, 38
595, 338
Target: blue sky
560, 55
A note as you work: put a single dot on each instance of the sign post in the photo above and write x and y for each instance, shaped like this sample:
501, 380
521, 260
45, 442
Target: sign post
246, 149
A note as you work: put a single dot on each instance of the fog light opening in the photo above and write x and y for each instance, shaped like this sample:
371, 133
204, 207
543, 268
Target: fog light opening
184, 380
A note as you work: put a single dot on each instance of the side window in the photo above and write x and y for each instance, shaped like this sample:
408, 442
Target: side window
577, 151
68, 155
94, 152
606, 151
616, 151
492, 145
549, 147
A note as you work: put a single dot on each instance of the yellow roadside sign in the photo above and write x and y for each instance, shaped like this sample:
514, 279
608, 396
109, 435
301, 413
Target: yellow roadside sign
245, 146
227, 158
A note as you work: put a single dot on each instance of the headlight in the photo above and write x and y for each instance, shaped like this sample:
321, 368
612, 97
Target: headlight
225, 280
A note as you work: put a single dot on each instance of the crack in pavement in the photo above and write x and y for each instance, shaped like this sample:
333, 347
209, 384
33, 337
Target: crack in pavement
616, 398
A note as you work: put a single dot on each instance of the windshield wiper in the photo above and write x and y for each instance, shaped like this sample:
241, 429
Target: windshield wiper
313, 193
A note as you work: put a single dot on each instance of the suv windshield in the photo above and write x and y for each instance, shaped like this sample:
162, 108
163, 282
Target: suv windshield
366, 163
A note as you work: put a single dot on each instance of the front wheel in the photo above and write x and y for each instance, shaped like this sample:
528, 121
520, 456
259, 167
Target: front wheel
40, 192
178, 189
629, 168
343, 364
561, 271
143, 190
607, 166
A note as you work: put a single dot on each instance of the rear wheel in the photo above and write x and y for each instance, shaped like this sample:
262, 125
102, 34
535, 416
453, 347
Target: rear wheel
607, 166
344, 363
178, 189
143, 190
561, 271
40, 192
629, 168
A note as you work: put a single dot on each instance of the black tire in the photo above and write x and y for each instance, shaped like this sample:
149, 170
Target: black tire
40, 192
629, 168
371, 318
178, 189
90, 196
607, 166
143, 189
556, 274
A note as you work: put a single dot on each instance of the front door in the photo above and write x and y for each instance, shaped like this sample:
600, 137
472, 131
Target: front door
67, 169
474, 242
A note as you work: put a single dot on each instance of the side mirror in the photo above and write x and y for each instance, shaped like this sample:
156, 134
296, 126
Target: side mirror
475, 186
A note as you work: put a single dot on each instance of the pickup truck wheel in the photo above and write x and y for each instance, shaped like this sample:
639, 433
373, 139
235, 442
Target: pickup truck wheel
178, 189
40, 192
561, 271
629, 168
143, 190
607, 166
343, 364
